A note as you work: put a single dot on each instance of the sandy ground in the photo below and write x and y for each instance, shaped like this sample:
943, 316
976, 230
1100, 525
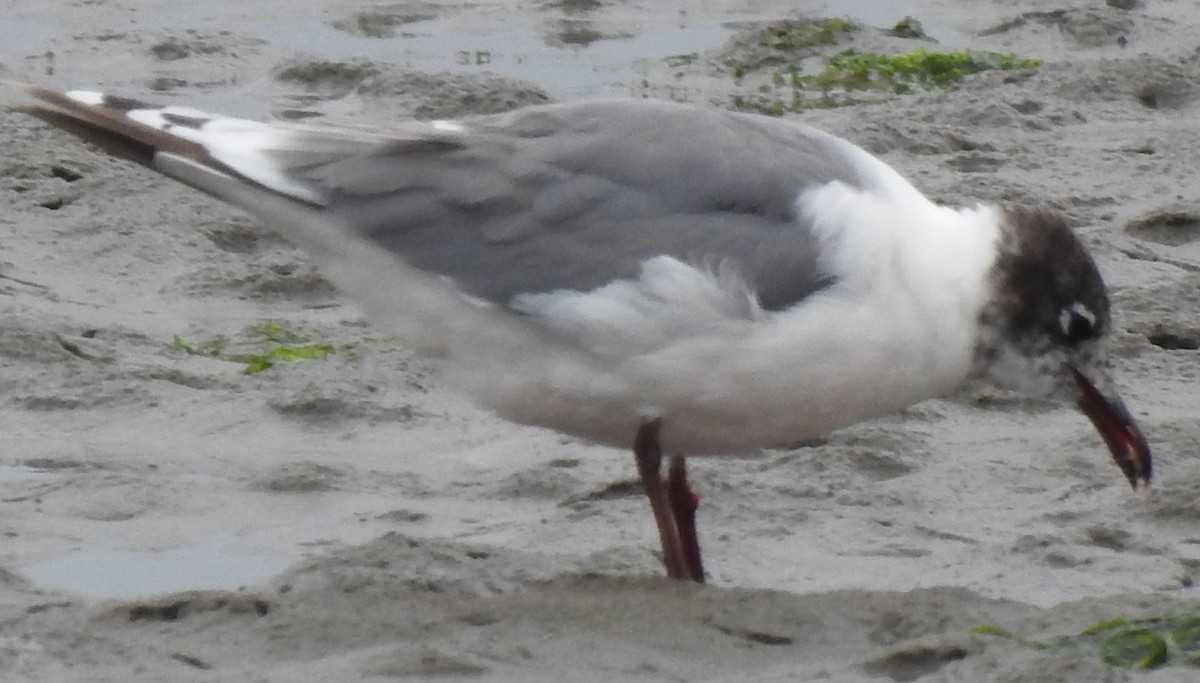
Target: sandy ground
167, 518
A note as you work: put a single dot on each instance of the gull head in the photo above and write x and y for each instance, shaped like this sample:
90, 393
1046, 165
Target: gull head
1046, 326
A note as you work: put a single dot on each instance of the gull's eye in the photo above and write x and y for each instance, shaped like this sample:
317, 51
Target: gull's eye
1078, 323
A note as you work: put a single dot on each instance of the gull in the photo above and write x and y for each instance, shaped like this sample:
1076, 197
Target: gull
674, 279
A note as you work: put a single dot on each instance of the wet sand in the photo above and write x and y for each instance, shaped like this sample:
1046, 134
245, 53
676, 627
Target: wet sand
168, 518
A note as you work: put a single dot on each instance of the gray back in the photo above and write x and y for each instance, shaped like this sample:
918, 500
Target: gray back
574, 196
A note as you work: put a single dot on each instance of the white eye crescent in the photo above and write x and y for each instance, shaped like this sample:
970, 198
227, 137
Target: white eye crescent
1077, 322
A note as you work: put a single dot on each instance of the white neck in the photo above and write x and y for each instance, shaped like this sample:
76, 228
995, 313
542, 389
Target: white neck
898, 326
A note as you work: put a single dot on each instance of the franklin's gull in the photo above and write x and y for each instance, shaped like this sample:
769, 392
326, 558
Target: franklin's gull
675, 279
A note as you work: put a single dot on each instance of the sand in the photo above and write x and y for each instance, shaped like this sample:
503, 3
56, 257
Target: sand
167, 518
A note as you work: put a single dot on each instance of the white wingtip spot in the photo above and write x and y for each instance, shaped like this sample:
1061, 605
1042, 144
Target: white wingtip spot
448, 126
148, 117
88, 97
190, 112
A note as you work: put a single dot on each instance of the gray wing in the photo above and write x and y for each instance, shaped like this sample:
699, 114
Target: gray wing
576, 196
560, 197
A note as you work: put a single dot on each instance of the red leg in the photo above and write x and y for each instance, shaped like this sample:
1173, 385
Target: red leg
683, 505
648, 453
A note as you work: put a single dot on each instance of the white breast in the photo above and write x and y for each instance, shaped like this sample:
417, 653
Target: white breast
897, 327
